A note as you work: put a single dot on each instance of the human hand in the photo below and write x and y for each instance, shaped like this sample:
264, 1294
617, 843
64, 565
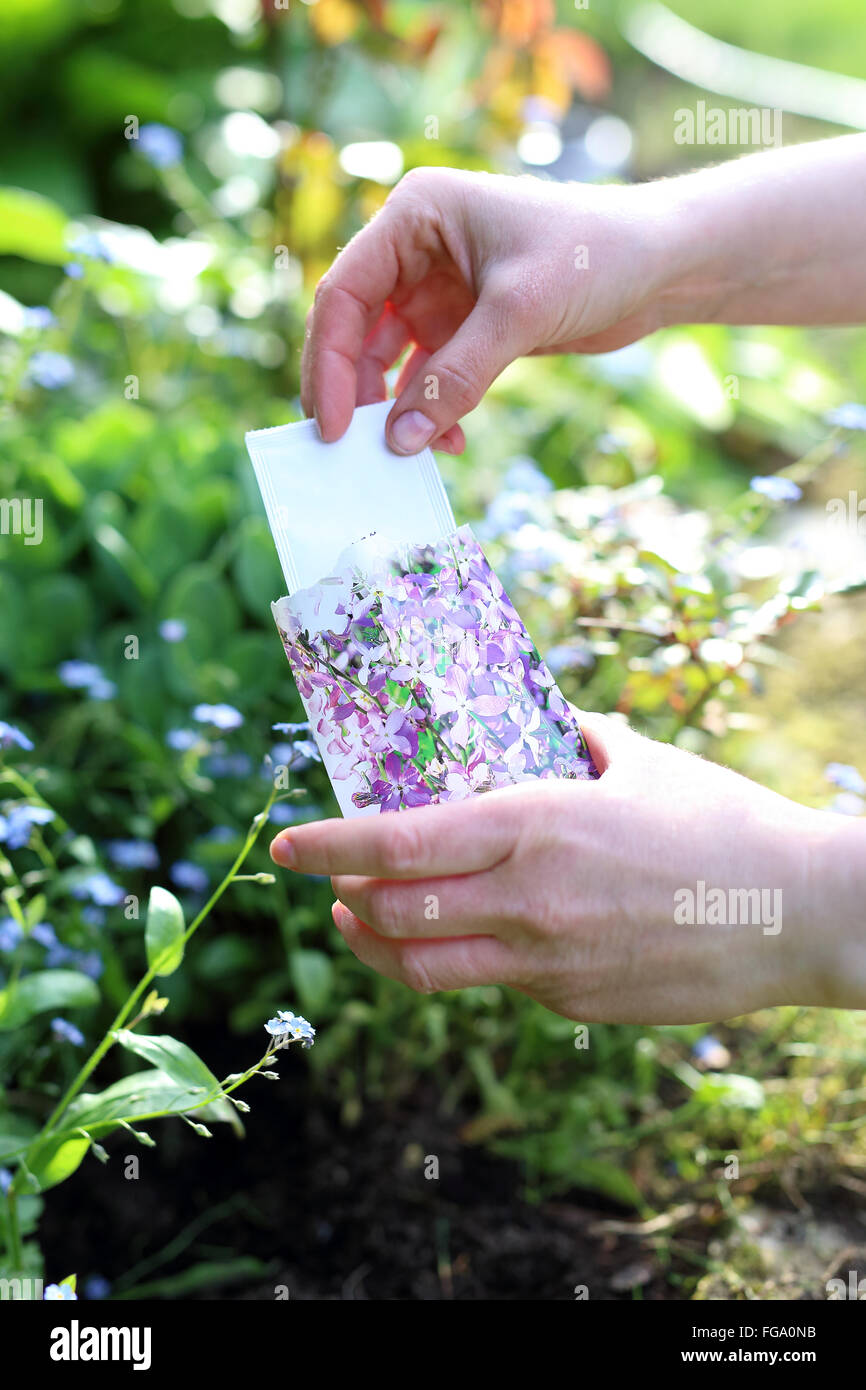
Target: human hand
476, 270
568, 890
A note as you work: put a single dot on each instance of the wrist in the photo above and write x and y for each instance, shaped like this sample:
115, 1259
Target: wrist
826, 951
702, 274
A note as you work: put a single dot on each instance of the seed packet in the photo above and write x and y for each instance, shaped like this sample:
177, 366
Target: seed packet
417, 674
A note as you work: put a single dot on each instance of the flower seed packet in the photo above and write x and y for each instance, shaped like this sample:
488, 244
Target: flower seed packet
417, 674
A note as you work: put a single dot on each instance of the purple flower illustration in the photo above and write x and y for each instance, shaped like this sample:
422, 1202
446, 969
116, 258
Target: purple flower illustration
427, 686
402, 785
466, 700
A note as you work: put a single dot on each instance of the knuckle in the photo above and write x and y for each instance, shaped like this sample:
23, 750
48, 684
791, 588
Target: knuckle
324, 291
417, 180
329, 863
529, 914
341, 886
458, 387
402, 849
549, 921
416, 975
385, 909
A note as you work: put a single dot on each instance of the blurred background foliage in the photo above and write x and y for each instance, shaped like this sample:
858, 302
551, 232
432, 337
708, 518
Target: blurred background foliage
153, 293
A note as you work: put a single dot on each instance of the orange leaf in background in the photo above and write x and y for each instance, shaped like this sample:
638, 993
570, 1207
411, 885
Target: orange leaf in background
421, 45
334, 20
502, 87
313, 215
521, 21
579, 61
549, 83
376, 10
497, 69
506, 103
310, 202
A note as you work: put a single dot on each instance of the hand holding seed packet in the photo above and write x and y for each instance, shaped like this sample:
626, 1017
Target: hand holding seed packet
419, 678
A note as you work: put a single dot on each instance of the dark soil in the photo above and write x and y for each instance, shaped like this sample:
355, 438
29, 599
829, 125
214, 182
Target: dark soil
309, 1209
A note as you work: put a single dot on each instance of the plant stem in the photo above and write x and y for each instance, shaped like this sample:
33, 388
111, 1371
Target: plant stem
15, 1250
99, 1052
11, 774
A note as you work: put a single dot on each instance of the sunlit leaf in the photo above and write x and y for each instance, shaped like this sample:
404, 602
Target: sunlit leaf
53, 1160
163, 932
313, 976
48, 990
136, 1097
174, 1058
32, 226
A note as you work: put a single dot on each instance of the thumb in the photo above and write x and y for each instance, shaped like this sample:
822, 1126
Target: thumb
453, 380
610, 740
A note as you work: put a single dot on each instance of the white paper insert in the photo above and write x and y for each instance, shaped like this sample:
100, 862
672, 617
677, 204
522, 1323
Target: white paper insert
321, 498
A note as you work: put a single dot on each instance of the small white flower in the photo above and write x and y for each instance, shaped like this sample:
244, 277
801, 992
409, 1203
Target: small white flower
63, 1293
289, 1027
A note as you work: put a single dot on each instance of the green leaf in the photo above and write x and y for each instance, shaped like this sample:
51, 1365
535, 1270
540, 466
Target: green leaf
163, 932
140, 1096
35, 910
124, 567
256, 570
49, 990
598, 1175
225, 957
200, 596
730, 1089
210, 1273
167, 532
30, 1209
313, 977
250, 658
32, 26
174, 1058
32, 226
102, 86
52, 1161
57, 613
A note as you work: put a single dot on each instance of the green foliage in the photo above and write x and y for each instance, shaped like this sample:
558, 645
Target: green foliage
37, 994
31, 226
164, 932
633, 568
178, 1062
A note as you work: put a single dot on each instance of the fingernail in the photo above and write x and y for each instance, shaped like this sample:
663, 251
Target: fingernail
410, 432
342, 917
283, 852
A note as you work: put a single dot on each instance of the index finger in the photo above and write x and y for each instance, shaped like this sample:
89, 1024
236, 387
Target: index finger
461, 837
349, 300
